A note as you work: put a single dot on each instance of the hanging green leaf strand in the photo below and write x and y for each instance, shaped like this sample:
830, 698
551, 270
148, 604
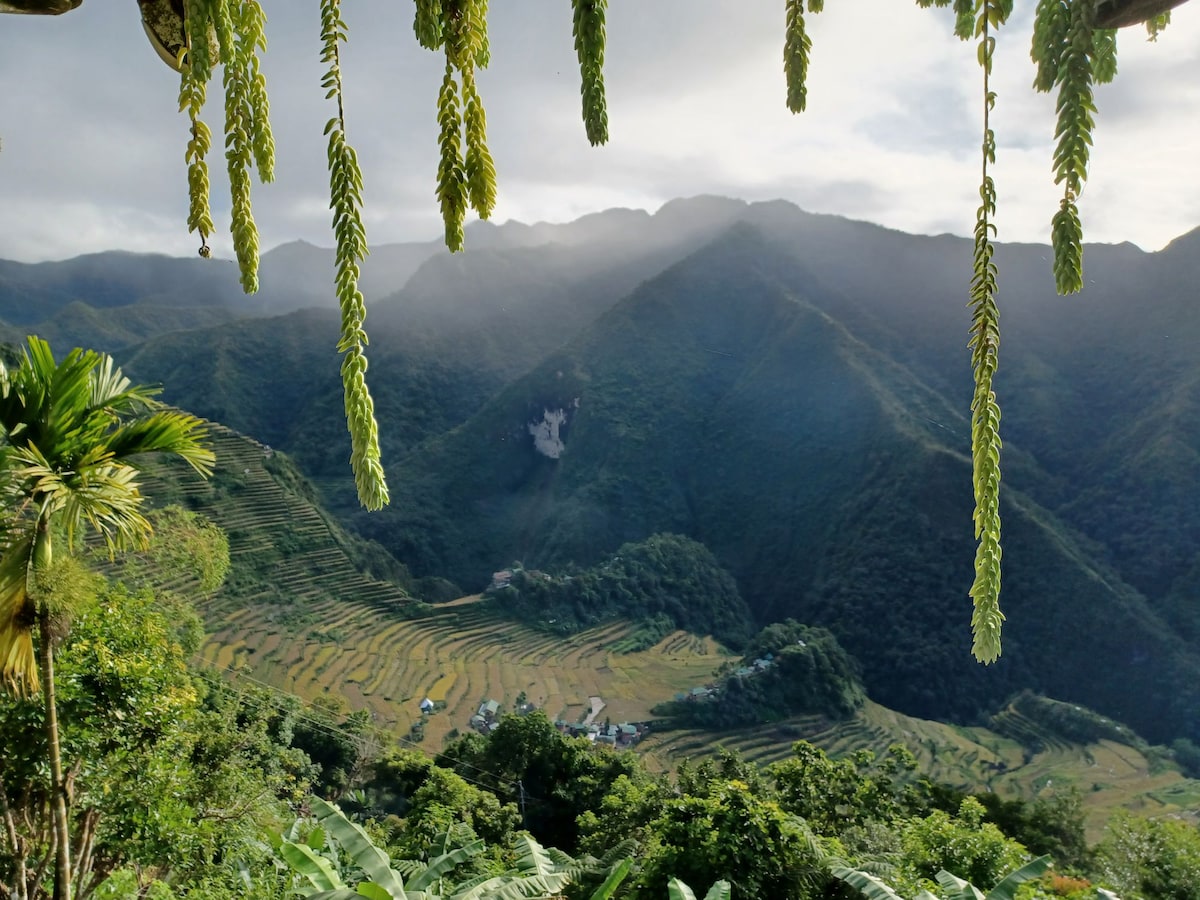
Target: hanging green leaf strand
350, 238
427, 24
986, 619
235, 30
590, 38
465, 179
796, 46
1084, 55
262, 139
451, 180
248, 139
195, 73
478, 167
964, 15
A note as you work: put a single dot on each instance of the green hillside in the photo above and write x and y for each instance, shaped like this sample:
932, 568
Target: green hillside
287, 555
722, 401
792, 394
297, 613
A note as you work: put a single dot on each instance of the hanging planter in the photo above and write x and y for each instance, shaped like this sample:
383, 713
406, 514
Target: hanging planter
38, 7
1123, 13
163, 23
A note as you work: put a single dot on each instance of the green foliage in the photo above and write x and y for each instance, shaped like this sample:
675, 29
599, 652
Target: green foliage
952, 886
422, 802
985, 347
964, 844
667, 579
796, 47
793, 670
1187, 754
168, 770
832, 794
336, 747
72, 432
1074, 132
345, 192
464, 179
588, 29
183, 545
733, 835
528, 763
1052, 825
341, 851
235, 29
195, 72
248, 138
677, 890
1157, 858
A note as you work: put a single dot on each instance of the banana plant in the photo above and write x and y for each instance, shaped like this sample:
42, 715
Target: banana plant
539, 871
677, 890
957, 888
317, 861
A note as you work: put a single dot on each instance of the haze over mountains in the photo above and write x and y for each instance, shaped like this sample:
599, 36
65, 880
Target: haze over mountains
791, 390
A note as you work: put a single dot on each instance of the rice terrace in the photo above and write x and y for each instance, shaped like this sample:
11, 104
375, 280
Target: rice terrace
312, 625
309, 623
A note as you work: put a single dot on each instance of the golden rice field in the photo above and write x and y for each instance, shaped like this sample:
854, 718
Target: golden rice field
460, 656
318, 627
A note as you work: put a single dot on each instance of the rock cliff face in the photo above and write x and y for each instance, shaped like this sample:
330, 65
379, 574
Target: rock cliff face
547, 437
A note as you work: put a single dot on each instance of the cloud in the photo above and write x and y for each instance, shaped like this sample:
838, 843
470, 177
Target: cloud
93, 142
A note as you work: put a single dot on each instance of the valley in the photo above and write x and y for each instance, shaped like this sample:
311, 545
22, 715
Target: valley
317, 628
730, 372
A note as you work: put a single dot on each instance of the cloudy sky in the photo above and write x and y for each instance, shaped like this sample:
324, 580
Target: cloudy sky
92, 154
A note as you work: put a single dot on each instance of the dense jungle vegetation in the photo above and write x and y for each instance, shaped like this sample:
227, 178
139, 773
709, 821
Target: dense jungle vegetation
185, 784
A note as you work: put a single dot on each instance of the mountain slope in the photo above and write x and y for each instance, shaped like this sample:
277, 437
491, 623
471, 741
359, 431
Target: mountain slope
794, 396
723, 401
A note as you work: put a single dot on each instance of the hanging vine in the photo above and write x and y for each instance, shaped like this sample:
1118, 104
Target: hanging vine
350, 238
985, 349
1074, 47
466, 175
590, 39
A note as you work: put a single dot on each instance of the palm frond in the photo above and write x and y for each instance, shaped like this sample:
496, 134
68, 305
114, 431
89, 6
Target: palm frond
111, 390
165, 431
18, 665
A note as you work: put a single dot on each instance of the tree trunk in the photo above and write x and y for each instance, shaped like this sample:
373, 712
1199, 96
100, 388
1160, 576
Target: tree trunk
58, 785
21, 874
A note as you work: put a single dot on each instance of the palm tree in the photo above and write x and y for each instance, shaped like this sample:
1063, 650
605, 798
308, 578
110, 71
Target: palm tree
67, 433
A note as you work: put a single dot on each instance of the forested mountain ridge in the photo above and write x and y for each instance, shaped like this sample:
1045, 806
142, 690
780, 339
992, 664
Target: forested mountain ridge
793, 393
724, 401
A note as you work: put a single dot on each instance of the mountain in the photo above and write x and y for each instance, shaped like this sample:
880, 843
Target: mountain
115, 299
723, 400
789, 389
460, 328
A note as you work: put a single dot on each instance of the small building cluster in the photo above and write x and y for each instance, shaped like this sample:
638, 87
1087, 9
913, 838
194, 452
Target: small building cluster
502, 580
712, 689
624, 735
487, 718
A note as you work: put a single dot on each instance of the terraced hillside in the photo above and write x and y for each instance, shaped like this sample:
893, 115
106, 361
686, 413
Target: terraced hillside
460, 656
284, 551
296, 613
1109, 774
